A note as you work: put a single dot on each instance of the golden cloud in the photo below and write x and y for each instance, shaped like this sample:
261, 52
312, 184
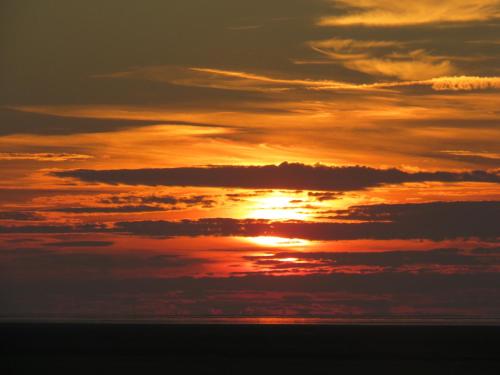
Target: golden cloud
43, 156
401, 13
378, 58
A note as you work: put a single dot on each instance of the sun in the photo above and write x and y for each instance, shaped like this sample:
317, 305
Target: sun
277, 206
270, 241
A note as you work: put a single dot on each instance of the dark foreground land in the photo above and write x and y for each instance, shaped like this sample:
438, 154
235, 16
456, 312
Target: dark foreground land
247, 349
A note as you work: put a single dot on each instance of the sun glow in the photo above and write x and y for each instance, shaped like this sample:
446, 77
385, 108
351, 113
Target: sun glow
278, 206
278, 241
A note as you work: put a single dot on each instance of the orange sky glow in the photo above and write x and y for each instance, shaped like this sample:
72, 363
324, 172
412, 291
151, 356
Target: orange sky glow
321, 159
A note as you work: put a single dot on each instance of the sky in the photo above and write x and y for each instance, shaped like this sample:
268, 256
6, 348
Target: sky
288, 159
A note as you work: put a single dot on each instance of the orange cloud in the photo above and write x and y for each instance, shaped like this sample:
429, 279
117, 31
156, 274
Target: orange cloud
222, 79
401, 13
42, 156
413, 69
336, 48
378, 58
416, 68
465, 83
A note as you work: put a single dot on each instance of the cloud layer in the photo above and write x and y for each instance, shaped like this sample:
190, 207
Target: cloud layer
283, 176
395, 13
414, 67
42, 156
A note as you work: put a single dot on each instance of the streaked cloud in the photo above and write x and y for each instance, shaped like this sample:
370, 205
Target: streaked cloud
108, 210
168, 200
79, 244
396, 13
221, 79
416, 68
20, 216
399, 59
464, 83
283, 176
452, 83
15, 121
310, 261
470, 157
450, 220
349, 48
417, 65
382, 222
55, 157
149, 181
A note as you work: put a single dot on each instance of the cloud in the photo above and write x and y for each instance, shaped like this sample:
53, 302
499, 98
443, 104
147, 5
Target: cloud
416, 67
54, 228
417, 212
79, 244
452, 83
284, 176
118, 204
169, 200
380, 59
14, 195
405, 69
60, 262
107, 210
434, 221
221, 79
470, 157
20, 216
393, 13
398, 258
390, 294
465, 83
43, 156
21, 121
399, 221
324, 196
338, 48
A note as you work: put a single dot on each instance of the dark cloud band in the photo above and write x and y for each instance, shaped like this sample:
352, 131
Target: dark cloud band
434, 221
283, 176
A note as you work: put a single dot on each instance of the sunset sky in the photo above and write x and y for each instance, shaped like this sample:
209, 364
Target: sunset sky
262, 159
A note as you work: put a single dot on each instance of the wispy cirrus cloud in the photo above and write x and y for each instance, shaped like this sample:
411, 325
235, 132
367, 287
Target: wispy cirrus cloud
452, 83
378, 58
403, 69
45, 156
417, 65
340, 48
416, 68
390, 13
221, 79
470, 157
464, 83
